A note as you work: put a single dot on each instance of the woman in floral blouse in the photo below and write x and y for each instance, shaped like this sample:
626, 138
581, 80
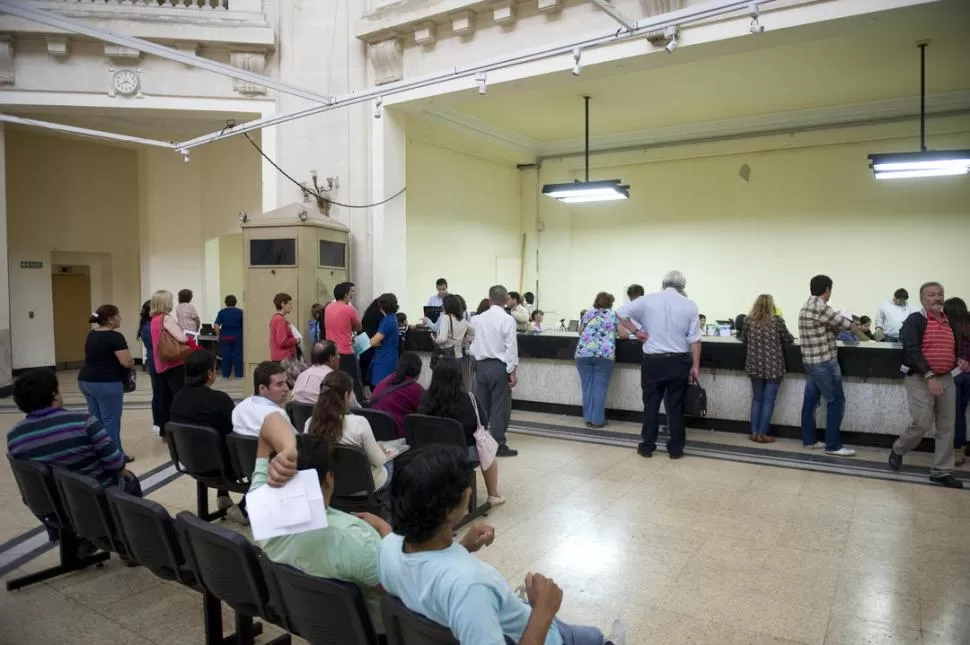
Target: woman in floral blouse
764, 336
595, 355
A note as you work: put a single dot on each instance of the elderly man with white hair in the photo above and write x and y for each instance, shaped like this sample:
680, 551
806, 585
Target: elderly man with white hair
667, 324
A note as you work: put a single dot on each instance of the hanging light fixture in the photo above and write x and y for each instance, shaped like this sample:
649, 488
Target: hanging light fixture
937, 163
586, 192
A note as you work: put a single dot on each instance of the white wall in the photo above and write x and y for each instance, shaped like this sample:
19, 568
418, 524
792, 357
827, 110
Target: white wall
462, 216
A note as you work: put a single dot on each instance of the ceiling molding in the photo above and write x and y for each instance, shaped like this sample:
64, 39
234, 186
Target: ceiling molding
454, 119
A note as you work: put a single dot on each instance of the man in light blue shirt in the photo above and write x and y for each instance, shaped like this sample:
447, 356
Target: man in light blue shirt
667, 324
422, 566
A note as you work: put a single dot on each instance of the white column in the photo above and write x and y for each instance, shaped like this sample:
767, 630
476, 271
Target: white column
388, 152
6, 365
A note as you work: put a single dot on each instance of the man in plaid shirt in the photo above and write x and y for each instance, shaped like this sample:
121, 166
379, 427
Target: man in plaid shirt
818, 327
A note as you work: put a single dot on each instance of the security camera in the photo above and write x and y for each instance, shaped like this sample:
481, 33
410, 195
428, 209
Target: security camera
577, 54
378, 108
756, 27
243, 216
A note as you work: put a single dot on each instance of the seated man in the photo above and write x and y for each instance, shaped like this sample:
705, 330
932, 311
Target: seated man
420, 564
345, 550
59, 438
323, 360
270, 390
198, 404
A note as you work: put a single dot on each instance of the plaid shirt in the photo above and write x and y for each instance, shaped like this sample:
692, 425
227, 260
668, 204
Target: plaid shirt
818, 327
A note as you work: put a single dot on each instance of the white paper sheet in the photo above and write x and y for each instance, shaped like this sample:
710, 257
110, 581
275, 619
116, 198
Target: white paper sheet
294, 508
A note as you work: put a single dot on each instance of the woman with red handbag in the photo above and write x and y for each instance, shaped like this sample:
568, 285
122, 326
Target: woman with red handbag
170, 348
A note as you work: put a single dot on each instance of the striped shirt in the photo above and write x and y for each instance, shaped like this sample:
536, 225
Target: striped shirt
818, 328
74, 441
939, 345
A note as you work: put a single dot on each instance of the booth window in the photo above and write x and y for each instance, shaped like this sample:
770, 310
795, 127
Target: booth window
333, 254
269, 253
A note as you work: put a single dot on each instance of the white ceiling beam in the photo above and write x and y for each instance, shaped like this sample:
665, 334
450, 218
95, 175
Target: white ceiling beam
84, 132
616, 14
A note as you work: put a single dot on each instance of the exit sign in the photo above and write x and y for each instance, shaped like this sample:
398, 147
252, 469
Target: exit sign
31, 264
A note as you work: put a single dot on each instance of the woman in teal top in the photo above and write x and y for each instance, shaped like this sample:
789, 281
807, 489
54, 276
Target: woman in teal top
595, 356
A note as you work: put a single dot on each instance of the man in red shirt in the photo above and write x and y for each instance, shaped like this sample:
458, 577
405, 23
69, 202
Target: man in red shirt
340, 321
929, 361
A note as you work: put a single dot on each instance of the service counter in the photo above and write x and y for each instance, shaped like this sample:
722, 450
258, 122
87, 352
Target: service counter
548, 382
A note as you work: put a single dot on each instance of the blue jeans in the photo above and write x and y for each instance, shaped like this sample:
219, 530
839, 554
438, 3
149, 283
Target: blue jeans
963, 400
763, 393
105, 402
594, 374
579, 634
231, 357
823, 380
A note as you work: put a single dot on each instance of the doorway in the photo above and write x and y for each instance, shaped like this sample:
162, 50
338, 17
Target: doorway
71, 287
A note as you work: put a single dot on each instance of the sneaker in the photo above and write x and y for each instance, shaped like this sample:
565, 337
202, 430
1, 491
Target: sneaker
505, 451
895, 460
947, 480
841, 452
818, 445
235, 514
618, 633
496, 500
156, 431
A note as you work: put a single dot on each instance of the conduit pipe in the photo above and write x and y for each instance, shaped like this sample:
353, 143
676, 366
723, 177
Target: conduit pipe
85, 132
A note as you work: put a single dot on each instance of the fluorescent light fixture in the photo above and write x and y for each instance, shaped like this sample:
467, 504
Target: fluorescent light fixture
920, 164
586, 192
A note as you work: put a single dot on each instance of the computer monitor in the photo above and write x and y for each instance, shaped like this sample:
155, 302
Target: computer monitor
432, 313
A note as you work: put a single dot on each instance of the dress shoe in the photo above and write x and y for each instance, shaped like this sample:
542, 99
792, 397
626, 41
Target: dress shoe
505, 451
895, 461
643, 452
947, 480
675, 455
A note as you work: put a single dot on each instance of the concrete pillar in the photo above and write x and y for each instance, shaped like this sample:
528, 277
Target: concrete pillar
6, 365
389, 221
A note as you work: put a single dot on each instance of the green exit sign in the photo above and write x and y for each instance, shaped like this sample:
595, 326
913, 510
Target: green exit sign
31, 264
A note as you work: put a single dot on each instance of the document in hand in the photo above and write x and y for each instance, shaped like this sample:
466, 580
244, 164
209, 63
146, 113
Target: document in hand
361, 343
296, 507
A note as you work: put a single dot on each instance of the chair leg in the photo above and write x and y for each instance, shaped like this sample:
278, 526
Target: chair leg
474, 510
212, 619
68, 545
202, 504
247, 630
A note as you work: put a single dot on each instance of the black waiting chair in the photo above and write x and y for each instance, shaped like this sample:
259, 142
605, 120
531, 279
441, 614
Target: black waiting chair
299, 413
423, 430
39, 492
86, 502
228, 566
242, 454
383, 424
405, 627
203, 454
353, 487
320, 610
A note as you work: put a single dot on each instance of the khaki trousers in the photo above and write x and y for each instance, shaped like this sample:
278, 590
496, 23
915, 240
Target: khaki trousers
926, 412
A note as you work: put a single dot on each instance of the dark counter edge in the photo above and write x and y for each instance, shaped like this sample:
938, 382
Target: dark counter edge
856, 361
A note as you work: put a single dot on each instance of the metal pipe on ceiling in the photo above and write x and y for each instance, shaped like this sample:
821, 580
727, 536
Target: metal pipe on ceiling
84, 132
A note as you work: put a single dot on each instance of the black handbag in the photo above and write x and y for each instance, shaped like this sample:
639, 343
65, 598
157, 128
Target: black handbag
695, 400
131, 382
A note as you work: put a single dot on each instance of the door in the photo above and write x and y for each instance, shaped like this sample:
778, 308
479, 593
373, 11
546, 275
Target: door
72, 308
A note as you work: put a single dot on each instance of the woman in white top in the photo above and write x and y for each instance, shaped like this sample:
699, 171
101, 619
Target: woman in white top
332, 421
455, 334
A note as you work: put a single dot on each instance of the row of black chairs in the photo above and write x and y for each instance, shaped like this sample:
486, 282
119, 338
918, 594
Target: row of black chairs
381, 423
220, 564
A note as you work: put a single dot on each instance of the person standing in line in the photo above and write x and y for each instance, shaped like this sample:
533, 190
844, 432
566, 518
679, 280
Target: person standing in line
340, 322
284, 339
107, 361
496, 352
929, 356
229, 326
145, 335
956, 311
596, 355
170, 373
765, 337
518, 312
891, 316
667, 324
385, 342
633, 292
818, 328
185, 313
455, 334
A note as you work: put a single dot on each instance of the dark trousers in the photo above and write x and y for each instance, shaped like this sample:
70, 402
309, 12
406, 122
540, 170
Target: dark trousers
962, 383
664, 377
493, 394
170, 382
156, 407
231, 357
351, 366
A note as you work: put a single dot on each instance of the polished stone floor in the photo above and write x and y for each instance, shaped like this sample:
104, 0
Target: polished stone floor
698, 551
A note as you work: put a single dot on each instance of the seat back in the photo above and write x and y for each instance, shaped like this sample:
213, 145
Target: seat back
353, 482
151, 537
423, 430
299, 413
405, 627
202, 453
323, 611
86, 503
226, 564
39, 491
383, 424
242, 454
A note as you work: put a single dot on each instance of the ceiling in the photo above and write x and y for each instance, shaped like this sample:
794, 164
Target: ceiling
852, 61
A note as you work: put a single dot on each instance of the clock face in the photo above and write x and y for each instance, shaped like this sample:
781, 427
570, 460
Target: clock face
125, 82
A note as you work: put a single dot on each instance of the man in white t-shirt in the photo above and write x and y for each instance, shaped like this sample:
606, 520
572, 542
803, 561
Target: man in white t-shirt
270, 390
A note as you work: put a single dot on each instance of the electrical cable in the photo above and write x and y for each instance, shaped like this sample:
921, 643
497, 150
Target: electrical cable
309, 190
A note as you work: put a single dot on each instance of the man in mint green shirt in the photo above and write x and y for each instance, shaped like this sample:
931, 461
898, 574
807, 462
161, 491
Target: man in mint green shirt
345, 550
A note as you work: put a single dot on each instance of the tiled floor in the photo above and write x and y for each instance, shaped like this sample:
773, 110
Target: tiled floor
697, 551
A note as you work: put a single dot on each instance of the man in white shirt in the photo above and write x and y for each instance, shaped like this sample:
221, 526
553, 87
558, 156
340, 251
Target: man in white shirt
323, 360
269, 396
496, 353
891, 315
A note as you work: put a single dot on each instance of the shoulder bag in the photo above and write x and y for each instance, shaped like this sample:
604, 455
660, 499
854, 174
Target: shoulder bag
485, 443
438, 352
130, 382
169, 349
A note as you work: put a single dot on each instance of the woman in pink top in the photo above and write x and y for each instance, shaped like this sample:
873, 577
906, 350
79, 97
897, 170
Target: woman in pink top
400, 393
170, 375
